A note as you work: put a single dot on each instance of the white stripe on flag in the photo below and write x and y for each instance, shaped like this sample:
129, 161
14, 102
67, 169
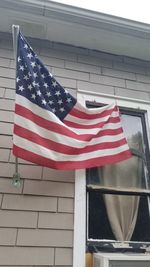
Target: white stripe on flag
57, 156
62, 139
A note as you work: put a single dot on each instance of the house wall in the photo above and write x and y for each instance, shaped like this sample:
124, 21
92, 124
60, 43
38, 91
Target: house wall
36, 219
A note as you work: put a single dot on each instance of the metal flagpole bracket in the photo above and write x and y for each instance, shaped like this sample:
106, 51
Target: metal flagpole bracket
15, 32
16, 181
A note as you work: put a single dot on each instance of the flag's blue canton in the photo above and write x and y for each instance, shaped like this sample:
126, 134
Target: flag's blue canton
36, 83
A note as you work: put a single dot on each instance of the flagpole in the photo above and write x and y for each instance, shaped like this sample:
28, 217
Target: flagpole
15, 34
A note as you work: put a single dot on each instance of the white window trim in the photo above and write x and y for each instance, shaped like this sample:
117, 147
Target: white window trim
80, 175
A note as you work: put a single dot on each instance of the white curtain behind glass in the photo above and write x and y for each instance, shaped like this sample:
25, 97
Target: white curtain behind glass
122, 210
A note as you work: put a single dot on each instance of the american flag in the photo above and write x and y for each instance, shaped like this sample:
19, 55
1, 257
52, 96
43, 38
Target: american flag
52, 129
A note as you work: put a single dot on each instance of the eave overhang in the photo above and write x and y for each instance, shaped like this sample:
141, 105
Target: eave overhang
76, 26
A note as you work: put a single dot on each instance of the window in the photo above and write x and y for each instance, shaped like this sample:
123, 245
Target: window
82, 236
118, 195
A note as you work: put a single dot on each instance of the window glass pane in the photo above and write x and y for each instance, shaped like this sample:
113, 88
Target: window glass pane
129, 174
98, 222
132, 127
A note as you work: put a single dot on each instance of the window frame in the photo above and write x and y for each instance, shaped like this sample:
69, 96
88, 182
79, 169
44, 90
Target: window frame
79, 243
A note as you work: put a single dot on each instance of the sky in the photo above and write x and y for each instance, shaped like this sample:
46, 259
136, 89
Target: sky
130, 9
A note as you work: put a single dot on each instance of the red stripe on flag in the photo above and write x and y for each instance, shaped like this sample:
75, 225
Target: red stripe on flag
89, 116
49, 125
68, 165
62, 148
92, 126
55, 127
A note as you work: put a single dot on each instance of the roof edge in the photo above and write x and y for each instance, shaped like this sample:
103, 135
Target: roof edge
74, 14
